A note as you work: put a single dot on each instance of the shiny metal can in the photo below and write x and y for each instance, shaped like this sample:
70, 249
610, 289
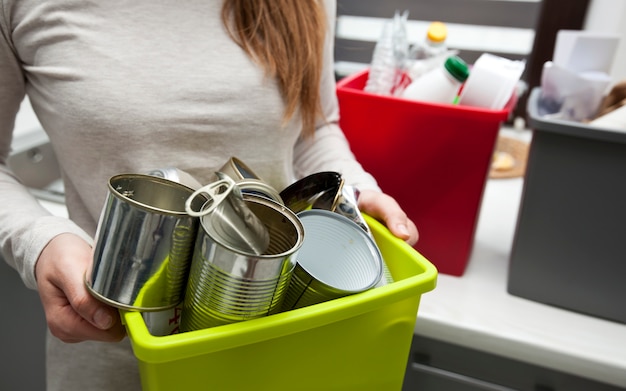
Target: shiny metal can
338, 258
228, 284
164, 322
248, 181
144, 243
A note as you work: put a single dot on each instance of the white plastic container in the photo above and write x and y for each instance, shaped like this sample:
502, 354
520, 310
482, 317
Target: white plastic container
439, 85
492, 82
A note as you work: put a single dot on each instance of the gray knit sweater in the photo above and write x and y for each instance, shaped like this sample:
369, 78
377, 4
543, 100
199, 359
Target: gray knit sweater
130, 86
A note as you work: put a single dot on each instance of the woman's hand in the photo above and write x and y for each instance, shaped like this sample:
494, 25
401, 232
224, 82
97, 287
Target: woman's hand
72, 313
385, 209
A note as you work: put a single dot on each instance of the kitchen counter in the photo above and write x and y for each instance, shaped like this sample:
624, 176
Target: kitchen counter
475, 311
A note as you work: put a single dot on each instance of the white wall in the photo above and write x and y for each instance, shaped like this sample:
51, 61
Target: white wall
609, 16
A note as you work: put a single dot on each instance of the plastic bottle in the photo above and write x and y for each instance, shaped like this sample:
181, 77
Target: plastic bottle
435, 42
436, 37
389, 57
431, 53
381, 75
440, 85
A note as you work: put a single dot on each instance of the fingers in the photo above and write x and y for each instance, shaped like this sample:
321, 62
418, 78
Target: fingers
404, 229
384, 208
72, 319
72, 313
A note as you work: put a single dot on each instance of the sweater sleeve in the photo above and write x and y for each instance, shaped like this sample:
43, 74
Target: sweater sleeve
329, 149
25, 226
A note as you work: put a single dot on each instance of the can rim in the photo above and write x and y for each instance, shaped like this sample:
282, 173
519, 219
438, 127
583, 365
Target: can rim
285, 211
368, 240
118, 304
115, 192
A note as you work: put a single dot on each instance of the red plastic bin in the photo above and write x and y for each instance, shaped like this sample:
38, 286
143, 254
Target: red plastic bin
432, 158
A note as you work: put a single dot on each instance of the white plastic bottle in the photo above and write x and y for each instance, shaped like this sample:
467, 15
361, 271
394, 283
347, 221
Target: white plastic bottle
439, 85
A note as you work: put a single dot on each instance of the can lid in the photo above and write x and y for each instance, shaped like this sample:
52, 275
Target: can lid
437, 32
457, 68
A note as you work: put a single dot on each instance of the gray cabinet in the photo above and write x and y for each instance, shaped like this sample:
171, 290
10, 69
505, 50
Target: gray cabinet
22, 334
440, 366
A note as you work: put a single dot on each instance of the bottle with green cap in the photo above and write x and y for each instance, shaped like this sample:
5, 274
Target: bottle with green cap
439, 85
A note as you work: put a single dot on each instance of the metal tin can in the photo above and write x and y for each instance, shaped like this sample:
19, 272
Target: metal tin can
338, 258
144, 243
248, 180
228, 284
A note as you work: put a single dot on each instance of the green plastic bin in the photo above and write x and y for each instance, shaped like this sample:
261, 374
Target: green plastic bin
360, 342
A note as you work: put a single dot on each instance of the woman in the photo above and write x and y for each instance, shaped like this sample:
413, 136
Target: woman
134, 86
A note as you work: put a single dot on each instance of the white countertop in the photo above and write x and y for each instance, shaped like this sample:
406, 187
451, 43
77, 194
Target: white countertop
475, 310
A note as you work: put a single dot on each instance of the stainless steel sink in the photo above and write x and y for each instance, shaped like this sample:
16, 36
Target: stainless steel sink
34, 162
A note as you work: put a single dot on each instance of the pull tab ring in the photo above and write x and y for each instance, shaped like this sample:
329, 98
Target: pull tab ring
216, 192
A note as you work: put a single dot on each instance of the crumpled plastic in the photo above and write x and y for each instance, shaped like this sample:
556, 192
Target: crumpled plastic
569, 95
389, 57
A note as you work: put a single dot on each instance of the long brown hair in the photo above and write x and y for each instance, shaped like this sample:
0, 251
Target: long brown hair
285, 37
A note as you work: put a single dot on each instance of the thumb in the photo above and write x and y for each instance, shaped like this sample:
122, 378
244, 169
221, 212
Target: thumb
387, 210
91, 305
90, 308
102, 317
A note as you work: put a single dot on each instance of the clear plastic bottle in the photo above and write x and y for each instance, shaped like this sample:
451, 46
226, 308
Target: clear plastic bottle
434, 44
440, 85
388, 60
431, 53
382, 70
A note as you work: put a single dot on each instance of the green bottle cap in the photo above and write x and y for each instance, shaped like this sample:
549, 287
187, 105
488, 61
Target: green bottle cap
457, 68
